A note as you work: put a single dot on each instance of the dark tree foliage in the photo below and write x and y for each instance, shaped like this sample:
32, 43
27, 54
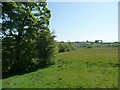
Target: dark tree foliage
48, 50
15, 18
28, 43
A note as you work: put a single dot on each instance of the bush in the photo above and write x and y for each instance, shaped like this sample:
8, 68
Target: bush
66, 46
46, 48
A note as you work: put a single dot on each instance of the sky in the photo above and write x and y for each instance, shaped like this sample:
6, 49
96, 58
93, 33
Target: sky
82, 21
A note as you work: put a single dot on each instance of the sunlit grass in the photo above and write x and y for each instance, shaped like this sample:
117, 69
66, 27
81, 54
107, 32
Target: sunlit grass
83, 68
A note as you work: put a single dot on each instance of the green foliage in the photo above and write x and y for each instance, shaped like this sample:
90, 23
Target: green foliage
46, 48
27, 41
15, 18
66, 46
8, 57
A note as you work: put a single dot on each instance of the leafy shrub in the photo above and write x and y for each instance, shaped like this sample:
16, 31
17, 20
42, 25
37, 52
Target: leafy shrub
66, 46
46, 48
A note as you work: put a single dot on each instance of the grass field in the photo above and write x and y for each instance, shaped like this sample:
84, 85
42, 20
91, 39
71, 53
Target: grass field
83, 68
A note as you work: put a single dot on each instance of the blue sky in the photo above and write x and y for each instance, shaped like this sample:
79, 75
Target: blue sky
81, 21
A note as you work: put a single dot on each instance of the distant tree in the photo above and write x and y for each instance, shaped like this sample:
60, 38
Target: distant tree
66, 46
96, 41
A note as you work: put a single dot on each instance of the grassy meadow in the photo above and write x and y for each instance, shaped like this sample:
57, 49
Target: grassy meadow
82, 68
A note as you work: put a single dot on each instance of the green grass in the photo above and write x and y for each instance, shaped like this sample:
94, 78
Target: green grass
83, 68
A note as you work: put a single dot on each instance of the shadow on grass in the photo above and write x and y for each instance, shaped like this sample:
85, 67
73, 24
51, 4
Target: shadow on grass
10, 74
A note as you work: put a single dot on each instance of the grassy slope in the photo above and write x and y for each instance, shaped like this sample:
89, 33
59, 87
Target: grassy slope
87, 68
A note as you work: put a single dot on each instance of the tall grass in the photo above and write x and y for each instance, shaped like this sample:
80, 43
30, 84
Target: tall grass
83, 68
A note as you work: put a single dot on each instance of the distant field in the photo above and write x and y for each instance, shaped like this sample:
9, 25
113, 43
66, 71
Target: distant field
83, 68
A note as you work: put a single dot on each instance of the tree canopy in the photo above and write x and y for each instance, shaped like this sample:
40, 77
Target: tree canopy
27, 41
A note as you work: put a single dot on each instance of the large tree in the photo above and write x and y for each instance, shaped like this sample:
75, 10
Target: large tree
24, 25
18, 29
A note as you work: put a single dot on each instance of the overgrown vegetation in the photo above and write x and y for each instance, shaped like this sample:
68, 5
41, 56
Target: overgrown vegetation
82, 68
27, 41
66, 46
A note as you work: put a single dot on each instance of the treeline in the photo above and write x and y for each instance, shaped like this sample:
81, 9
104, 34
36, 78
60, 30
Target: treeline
93, 44
27, 41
